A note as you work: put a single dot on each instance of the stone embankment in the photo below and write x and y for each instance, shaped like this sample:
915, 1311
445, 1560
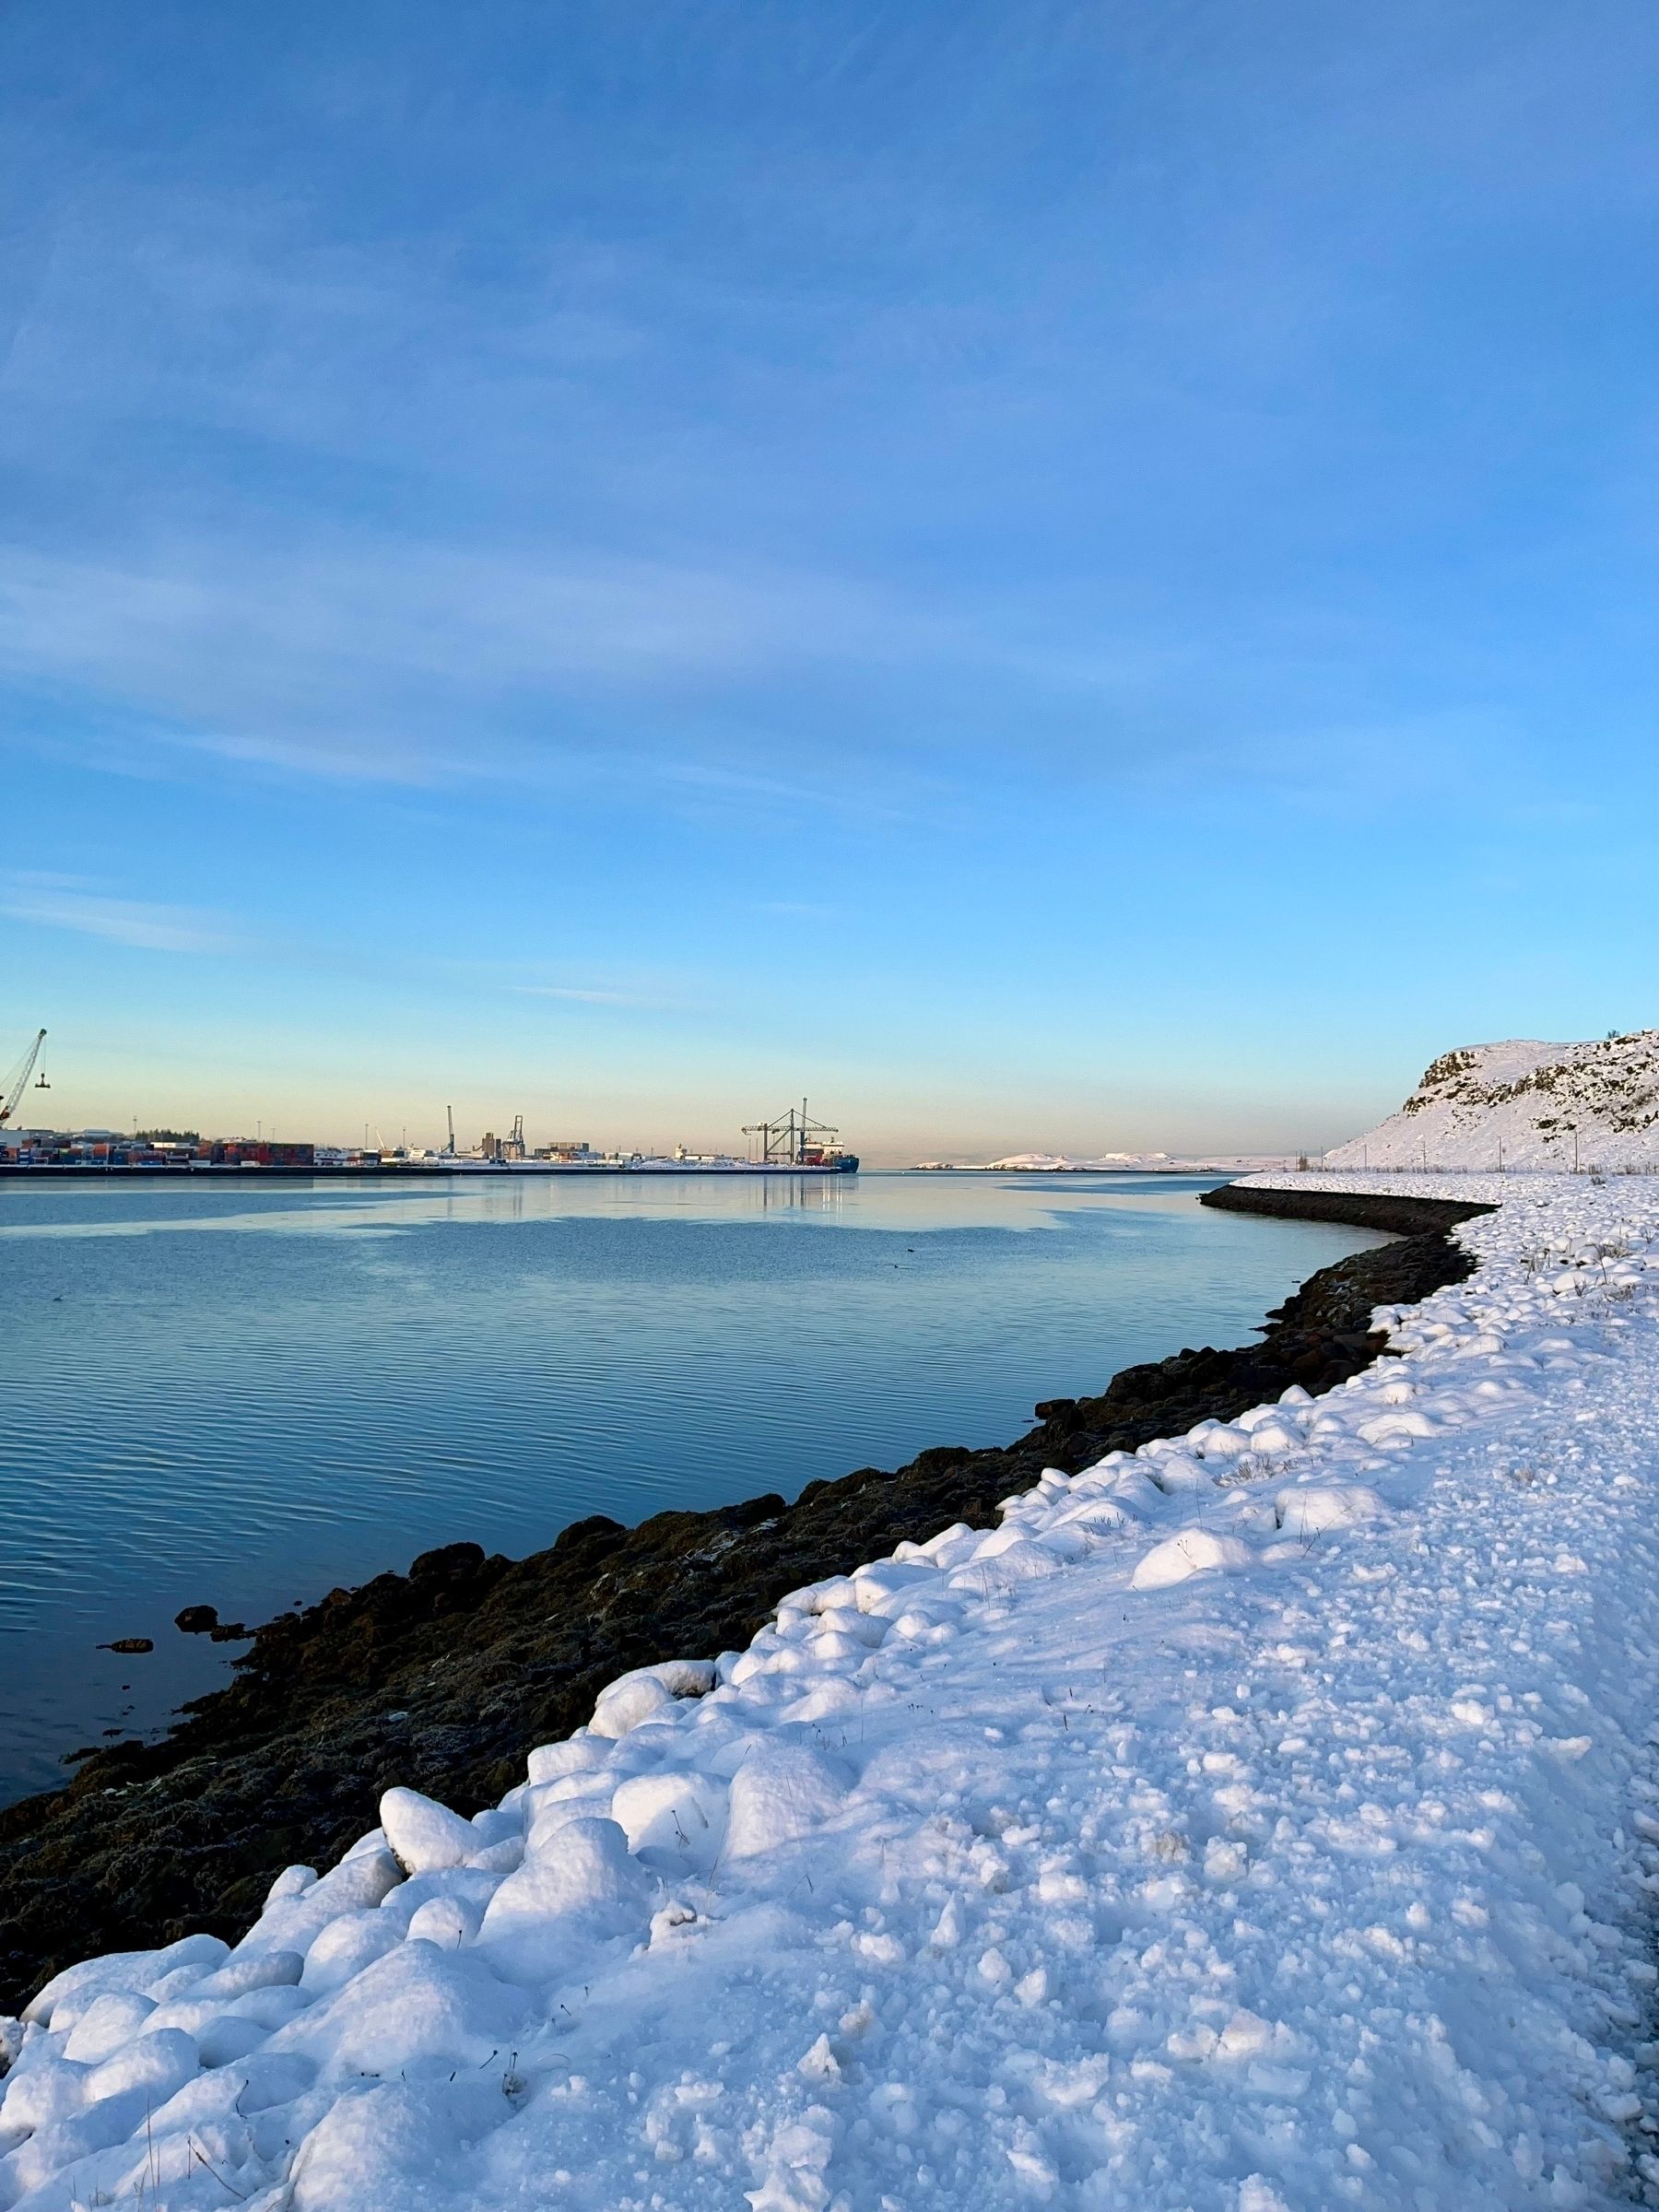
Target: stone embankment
1400, 1217
444, 1678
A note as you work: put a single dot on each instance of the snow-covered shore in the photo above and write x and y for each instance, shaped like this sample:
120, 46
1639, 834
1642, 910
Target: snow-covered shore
1258, 1820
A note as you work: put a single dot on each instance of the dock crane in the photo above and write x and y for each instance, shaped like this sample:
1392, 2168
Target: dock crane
788, 1141
16, 1078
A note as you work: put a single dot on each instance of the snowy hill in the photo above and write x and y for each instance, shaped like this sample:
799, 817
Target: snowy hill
1546, 1105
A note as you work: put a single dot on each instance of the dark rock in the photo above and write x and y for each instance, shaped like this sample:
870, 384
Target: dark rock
130, 1643
449, 1563
196, 1620
229, 1632
598, 1530
483, 1658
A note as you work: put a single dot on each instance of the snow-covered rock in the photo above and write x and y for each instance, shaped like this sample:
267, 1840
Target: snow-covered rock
1193, 1551
780, 1794
422, 1834
584, 1869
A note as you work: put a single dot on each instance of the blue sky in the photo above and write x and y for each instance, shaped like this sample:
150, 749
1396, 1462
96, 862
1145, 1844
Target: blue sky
1052, 576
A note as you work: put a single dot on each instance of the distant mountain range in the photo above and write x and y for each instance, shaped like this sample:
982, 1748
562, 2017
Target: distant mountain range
1144, 1163
1523, 1104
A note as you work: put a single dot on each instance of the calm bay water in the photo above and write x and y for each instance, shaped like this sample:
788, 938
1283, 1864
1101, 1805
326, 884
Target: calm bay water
245, 1396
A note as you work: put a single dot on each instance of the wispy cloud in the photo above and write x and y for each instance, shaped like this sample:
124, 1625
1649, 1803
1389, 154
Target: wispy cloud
375, 657
629, 987
70, 902
586, 998
609, 513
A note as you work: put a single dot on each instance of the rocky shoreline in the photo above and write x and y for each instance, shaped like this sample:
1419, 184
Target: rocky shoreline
1400, 1217
444, 1678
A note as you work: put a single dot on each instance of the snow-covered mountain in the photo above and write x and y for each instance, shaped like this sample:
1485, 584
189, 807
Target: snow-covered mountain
1147, 1164
1522, 1104
1049, 1164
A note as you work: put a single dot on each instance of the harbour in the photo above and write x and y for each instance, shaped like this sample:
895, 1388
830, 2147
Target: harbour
418, 1167
786, 1144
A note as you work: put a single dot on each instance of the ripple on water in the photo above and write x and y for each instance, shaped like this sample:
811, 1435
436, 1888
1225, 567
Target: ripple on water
245, 1397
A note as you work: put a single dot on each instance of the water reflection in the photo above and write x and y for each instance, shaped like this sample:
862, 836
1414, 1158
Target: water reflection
244, 1395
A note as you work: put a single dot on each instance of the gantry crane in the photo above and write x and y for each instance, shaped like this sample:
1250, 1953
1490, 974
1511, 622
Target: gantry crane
788, 1141
17, 1076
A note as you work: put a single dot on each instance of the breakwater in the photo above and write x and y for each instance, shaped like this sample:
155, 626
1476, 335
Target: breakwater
1398, 1216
